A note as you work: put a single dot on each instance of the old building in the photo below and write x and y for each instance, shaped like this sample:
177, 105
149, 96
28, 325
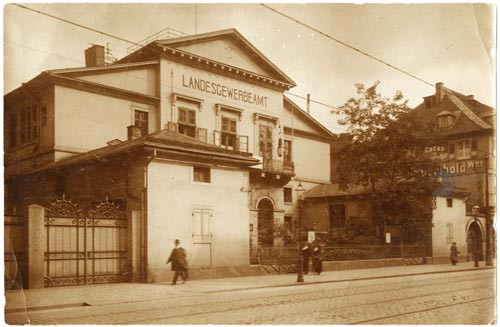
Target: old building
466, 159
188, 138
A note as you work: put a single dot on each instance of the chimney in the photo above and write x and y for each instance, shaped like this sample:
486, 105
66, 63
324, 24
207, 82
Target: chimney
133, 132
94, 56
439, 93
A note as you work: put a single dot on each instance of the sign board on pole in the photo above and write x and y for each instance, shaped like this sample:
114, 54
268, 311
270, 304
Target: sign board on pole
311, 235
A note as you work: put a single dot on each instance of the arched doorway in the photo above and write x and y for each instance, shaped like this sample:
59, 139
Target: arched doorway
265, 222
474, 241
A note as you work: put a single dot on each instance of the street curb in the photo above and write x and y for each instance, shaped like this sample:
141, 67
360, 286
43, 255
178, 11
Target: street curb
350, 279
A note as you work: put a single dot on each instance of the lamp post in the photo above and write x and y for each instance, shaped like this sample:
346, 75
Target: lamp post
300, 262
474, 213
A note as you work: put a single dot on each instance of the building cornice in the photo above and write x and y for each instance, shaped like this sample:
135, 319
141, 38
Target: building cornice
104, 89
307, 135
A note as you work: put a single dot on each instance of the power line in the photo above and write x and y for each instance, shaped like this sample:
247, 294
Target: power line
134, 43
347, 45
43, 51
76, 24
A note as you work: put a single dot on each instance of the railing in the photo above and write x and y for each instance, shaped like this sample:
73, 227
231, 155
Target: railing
278, 166
167, 33
364, 252
274, 255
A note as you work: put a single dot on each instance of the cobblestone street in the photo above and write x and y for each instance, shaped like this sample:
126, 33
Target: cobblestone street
446, 298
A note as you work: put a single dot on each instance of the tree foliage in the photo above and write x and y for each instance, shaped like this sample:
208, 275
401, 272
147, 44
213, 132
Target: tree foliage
384, 154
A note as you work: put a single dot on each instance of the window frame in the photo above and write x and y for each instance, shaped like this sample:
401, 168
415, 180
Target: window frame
288, 189
267, 141
205, 171
27, 126
449, 202
144, 129
185, 126
461, 149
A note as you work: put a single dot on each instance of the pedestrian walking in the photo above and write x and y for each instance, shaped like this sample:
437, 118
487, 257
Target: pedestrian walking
179, 263
305, 256
454, 254
317, 262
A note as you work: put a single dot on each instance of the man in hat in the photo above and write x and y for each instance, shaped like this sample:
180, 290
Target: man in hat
179, 262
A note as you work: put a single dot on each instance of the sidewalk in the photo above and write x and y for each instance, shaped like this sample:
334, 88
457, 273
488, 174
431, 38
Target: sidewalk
46, 298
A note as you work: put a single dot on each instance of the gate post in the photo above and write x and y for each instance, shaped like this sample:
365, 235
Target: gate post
37, 243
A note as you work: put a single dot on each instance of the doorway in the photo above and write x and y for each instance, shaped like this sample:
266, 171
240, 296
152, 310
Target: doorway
265, 222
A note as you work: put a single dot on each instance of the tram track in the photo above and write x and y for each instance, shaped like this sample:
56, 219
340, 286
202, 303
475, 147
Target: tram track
297, 297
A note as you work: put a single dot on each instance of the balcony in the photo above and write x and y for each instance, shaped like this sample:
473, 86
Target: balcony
278, 166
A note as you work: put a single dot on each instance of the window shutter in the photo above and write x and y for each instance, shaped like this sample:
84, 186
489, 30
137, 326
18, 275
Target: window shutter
197, 224
201, 134
451, 148
243, 143
206, 224
473, 146
217, 138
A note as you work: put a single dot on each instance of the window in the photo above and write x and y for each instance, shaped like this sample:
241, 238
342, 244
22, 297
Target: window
445, 121
463, 149
337, 215
13, 130
228, 134
141, 120
266, 140
187, 122
449, 233
449, 202
287, 193
201, 224
201, 174
24, 127
287, 153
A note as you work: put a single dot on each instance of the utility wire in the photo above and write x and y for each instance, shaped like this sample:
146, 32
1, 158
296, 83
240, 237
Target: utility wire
76, 24
346, 45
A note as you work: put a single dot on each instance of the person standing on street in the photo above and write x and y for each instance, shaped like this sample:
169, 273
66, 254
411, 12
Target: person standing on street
454, 254
317, 264
305, 257
179, 262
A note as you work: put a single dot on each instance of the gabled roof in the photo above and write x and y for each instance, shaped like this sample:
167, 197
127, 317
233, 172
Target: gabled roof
162, 140
470, 114
333, 190
236, 36
288, 104
169, 47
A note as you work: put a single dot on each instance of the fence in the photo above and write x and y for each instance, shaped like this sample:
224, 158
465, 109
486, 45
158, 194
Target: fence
364, 252
14, 251
283, 256
280, 259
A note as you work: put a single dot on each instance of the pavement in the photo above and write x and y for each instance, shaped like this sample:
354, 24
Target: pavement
74, 296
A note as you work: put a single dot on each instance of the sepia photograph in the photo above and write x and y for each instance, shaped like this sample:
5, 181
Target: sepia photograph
249, 163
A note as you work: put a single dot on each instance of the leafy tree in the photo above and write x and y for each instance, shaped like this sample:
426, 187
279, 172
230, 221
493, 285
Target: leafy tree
385, 155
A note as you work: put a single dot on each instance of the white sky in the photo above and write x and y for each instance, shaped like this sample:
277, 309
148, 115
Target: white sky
449, 43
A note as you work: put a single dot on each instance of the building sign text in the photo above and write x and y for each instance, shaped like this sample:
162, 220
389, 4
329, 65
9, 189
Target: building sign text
223, 91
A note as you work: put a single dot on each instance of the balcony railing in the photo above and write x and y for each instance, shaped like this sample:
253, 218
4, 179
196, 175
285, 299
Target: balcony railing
277, 166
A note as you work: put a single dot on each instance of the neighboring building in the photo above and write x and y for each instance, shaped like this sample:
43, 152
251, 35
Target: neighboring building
468, 129
342, 217
188, 138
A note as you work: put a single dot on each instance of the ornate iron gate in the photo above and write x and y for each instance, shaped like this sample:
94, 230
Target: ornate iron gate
85, 249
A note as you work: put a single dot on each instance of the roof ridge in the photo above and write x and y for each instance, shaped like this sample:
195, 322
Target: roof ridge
466, 110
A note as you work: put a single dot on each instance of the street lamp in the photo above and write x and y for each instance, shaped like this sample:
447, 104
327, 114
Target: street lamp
300, 262
475, 210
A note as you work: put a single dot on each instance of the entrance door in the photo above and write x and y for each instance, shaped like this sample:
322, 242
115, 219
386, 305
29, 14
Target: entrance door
85, 248
474, 242
201, 256
265, 222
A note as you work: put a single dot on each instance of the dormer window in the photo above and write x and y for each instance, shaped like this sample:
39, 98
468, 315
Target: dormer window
445, 119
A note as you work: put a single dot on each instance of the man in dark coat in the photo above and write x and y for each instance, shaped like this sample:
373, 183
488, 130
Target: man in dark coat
179, 262
317, 261
454, 254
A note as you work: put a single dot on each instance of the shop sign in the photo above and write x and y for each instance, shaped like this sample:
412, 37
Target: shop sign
463, 167
223, 91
